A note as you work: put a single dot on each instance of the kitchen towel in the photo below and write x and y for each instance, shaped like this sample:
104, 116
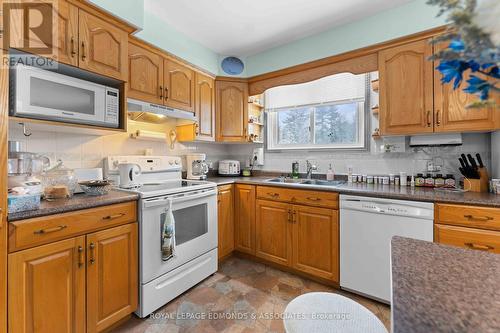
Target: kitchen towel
168, 233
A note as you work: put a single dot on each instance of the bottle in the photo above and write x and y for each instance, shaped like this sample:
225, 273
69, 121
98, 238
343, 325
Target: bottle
329, 174
295, 170
403, 178
429, 181
349, 175
439, 180
419, 180
412, 181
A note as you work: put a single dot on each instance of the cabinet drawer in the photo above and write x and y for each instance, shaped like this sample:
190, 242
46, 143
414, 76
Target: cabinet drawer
469, 238
469, 216
303, 197
41, 230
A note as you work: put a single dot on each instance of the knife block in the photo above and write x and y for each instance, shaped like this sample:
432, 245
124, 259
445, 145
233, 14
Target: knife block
481, 184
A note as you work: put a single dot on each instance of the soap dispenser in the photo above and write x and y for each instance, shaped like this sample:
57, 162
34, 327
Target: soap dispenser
329, 174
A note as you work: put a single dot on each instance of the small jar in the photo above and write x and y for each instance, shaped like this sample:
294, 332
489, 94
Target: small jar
360, 178
364, 178
391, 179
439, 180
419, 180
396, 181
429, 180
354, 178
369, 179
450, 181
385, 180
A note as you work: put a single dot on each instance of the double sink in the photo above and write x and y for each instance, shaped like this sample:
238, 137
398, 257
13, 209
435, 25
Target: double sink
302, 181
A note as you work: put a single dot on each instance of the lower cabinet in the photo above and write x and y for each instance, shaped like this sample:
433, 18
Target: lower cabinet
81, 284
111, 276
244, 218
302, 237
470, 238
225, 212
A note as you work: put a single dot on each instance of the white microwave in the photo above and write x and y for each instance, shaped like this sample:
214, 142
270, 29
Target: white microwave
41, 94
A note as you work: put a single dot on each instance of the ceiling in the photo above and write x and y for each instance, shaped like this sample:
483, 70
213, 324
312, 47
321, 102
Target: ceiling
246, 27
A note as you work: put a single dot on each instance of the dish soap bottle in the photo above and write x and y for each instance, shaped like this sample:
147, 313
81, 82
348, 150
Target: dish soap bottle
329, 174
295, 170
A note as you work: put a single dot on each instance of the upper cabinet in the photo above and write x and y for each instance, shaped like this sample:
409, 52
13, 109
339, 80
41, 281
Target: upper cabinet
205, 107
103, 47
414, 101
232, 111
179, 85
145, 80
406, 89
66, 45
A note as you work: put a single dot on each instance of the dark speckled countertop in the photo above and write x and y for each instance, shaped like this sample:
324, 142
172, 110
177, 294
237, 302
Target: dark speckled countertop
438, 288
379, 191
77, 202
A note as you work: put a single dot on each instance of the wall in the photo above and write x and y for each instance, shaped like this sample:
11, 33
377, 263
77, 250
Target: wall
131, 11
87, 151
397, 22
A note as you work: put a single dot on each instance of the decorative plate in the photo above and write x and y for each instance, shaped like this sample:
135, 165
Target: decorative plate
232, 65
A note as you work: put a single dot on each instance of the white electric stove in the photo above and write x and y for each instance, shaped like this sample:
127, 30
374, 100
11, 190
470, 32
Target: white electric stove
194, 206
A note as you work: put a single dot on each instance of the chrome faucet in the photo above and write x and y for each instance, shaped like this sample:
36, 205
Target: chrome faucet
310, 168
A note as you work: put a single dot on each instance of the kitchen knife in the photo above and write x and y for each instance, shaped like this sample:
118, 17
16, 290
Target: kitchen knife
462, 164
472, 162
479, 160
464, 158
462, 172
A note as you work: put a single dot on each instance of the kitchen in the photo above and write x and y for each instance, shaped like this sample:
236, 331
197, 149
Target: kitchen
165, 174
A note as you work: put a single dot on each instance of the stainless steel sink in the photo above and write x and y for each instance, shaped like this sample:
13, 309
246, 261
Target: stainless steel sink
303, 181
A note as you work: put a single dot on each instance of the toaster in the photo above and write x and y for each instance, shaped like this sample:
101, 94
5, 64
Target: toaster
229, 168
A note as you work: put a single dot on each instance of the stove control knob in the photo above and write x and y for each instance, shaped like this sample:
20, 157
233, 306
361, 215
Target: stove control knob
170, 162
176, 162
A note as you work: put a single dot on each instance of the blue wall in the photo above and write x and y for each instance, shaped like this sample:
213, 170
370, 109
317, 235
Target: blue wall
131, 11
397, 22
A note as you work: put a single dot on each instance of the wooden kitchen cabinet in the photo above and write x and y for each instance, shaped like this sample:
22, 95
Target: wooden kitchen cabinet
244, 218
145, 80
205, 107
179, 83
470, 238
316, 241
406, 89
112, 273
103, 47
47, 288
225, 209
273, 238
232, 111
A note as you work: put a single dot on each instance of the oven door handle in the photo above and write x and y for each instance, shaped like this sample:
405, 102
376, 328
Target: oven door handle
163, 201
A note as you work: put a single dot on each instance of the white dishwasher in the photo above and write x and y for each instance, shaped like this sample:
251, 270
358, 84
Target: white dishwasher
367, 226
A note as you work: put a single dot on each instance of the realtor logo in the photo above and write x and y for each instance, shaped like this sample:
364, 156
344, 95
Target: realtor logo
28, 26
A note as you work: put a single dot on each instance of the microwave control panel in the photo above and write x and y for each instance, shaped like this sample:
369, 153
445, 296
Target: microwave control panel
112, 105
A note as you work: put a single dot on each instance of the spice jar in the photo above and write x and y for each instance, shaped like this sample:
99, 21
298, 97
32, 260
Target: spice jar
450, 181
439, 180
419, 180
429, 180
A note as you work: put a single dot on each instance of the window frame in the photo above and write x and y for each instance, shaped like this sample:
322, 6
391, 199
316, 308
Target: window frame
272, 130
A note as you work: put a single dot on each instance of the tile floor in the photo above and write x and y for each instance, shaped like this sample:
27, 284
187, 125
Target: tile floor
240, 288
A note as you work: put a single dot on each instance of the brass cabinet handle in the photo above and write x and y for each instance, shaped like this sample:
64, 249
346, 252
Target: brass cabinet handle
112, 217
73, 52
479, 247
80, 256
273, 194
196, 129
84, 56
92, 258
161, 92
429, 118
478, 218
294, 216
438, 117
290, 216
48, 230
166, 93
313, 199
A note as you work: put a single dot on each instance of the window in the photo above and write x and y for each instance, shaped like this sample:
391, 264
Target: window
328, 113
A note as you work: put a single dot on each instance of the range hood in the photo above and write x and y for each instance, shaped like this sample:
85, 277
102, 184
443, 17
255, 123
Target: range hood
154, 113
436, 140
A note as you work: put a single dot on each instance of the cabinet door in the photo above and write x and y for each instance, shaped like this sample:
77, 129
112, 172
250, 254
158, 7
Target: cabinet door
145, 71
112, 285
273, 239
232, 111
316, 241
406, 89
225, 210
64, 41
179, 85
244, 218
103, 47
47, 288
451, 114
205, 107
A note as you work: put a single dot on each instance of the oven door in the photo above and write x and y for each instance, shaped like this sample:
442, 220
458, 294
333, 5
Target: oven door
47, 95
195, 215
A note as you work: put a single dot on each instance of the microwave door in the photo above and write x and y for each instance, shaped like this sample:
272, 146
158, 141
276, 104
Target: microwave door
50, 95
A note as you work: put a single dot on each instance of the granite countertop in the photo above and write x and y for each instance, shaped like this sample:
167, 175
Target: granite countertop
77, 202
379, 191
438, 288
